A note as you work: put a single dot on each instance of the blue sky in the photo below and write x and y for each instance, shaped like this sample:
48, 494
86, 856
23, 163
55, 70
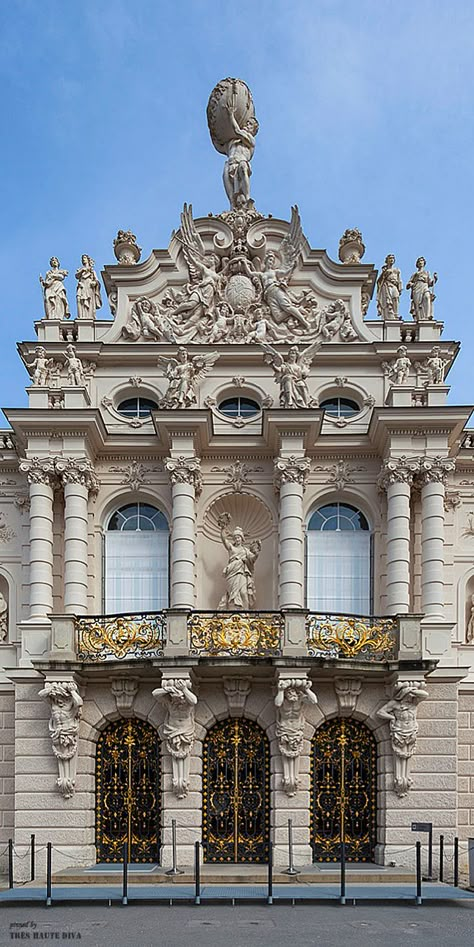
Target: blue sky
366, 119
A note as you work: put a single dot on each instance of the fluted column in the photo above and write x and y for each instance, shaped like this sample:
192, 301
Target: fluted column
290, 478
78, 479
41, 479
396, 478
433, 474
185, 476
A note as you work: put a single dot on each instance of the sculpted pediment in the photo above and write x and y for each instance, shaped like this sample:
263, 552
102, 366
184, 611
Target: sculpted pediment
239, 278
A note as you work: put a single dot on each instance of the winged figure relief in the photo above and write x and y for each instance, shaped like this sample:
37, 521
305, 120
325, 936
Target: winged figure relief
203, 286
291, 373
184, 375
277, 270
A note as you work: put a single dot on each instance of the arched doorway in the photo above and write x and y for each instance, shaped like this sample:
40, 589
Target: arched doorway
343, 791
236, 792
128, 792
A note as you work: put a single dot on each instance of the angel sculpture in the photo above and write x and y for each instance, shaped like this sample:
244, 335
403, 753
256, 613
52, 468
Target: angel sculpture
291, 373
147, 320
274, 277
184, 374
202, 289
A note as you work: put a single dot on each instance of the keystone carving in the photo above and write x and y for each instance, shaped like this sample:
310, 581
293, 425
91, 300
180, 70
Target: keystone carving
348, 690
124, 690
236, 690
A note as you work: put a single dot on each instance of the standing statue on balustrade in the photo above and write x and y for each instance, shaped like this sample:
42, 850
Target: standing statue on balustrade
88, 289
389, 288
54, 291
422, 296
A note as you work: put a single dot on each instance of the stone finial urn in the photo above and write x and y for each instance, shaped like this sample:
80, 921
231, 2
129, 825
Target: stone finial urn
126, 248
351, 246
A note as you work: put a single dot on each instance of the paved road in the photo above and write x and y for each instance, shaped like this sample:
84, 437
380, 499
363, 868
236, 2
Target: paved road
241, 926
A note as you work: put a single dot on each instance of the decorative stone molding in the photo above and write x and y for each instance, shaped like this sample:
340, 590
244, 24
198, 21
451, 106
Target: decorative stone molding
348, 690
135, 474
340, 473
292, 693
236, 690
124, 690
401, 711
435, 470
238, 475
66, 709
398, 470
40, 470
178, 728
290, 470
185, 470
6, 532
73, 470
452, 500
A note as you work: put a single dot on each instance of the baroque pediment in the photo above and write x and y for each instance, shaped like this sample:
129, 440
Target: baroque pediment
239, 278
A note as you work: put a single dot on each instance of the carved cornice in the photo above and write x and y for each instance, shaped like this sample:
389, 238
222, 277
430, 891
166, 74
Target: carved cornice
290, 470
185, 470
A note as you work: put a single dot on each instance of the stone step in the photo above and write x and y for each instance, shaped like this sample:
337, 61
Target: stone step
236, 874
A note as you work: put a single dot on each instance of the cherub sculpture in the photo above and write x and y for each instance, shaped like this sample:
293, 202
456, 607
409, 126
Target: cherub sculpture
184, 374
41, 367
291, 373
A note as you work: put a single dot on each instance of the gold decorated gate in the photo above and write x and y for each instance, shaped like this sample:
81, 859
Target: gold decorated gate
343, 791
236, 793
128, 792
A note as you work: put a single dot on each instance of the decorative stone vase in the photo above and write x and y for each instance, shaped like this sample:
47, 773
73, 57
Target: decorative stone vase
126, 248
351, 246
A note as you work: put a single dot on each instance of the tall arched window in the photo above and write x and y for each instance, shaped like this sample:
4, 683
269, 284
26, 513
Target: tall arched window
136, 560
339, 561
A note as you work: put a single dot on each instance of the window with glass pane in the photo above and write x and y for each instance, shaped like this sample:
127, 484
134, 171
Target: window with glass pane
239, 407
137, 407
340, 407
136, 560
338, 567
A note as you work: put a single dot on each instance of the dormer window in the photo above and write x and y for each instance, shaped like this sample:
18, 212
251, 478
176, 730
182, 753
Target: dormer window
137, 407
239, 407
340, 407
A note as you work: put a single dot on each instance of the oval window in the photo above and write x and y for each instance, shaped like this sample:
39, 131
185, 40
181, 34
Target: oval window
137, 407
340, 407
239, 407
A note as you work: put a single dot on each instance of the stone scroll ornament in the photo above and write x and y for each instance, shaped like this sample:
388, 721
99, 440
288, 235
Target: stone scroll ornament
178, 728
66, 709
289, 702
400, 711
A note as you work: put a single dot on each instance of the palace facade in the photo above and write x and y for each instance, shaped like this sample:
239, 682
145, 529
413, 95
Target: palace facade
237, 551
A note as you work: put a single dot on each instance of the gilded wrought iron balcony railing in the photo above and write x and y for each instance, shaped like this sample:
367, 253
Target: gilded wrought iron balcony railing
235, 633
351, 636
106, 637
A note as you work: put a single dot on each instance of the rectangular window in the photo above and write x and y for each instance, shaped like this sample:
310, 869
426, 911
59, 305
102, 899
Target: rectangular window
136, 571
338, 571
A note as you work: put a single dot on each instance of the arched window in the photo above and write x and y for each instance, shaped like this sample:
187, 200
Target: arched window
136, 560
339, 561
340, 407
137, 407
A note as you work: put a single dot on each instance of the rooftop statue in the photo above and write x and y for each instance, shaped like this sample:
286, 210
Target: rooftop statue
389, 288
54, 291
233, 127
422, 296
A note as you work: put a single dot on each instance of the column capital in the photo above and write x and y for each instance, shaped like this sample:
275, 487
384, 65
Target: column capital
435, 470
290, 470
39, 470
397, 470
77, 470
185, 470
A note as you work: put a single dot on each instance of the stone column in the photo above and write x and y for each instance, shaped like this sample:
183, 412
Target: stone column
185, 476
290, 477
78, 479
41, 478
396, 478
433, 474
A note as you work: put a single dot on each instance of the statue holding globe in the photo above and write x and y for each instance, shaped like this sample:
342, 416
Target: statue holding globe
233, 127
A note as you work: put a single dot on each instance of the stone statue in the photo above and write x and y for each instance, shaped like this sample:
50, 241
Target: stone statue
178, 728
289, 702
66, 709
401, 712
88, 289
233, 127
239, 571
398, 370
291, 373
54, 291
184, 374
276, 273
389, 288
75, 371
41, 367
336, 318
147, 320
422, 297
205, 281
3, 617
470, 624
434, 366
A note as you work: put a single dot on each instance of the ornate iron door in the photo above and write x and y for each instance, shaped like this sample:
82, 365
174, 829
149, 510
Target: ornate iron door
344, 791
128, 792
236, 793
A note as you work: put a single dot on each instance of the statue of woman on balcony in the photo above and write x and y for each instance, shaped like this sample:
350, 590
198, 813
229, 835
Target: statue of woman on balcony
239, 571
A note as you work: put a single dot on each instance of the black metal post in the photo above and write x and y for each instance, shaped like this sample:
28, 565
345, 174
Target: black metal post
291, 870
430, 855
125, 874
197, 873
32, 858
49, 852
342, 897
10, 863
418, 873
270, 874
441, 858
456, 862
174, 870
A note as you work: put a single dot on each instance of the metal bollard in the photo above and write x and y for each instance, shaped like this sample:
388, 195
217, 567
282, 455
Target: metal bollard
270, 874
49, 852
197, 873
10, 863
441, 858
125, 874
456, 862
418, 873
32, 858
174, 870
291, 870
342, 896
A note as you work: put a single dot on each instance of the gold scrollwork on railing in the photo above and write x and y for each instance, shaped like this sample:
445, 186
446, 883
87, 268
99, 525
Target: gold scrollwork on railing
237, 634
337, 636
122, 636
